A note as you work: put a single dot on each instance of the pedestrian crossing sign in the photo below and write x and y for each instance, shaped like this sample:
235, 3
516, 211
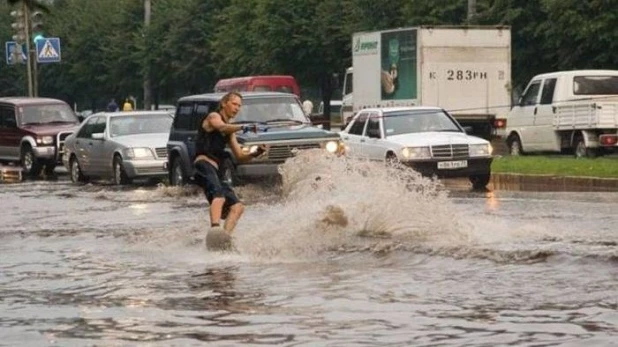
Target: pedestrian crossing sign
48, 50
13, 55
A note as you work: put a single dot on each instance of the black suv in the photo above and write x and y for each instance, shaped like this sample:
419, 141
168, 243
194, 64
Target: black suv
283, 126
32, 132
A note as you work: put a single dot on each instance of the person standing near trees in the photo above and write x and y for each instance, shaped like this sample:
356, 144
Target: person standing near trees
127, 106
214, 134
112, 106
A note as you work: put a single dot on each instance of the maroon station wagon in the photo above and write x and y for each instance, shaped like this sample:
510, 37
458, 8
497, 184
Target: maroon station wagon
32, 132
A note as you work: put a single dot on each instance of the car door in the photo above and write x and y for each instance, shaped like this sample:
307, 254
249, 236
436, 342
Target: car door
83, 143
522, 116
353, 137
100, 161
546, 138
10, 135
372, 143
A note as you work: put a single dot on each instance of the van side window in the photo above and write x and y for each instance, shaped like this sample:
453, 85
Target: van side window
7, 118
184, 117
359, 124
202, 110
531, 94
547, 96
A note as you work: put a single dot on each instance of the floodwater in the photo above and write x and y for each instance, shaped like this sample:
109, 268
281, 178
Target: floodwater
338, 254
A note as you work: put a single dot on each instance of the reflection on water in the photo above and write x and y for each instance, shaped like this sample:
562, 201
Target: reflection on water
341, 253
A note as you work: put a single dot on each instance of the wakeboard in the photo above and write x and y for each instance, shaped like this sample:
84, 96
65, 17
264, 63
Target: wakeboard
218, 240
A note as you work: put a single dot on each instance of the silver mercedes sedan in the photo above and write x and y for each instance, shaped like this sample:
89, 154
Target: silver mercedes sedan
120, 146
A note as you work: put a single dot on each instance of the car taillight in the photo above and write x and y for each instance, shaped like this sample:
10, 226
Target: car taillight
500, 123
608, 139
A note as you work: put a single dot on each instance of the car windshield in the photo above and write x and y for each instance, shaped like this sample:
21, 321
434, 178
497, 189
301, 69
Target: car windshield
406, 122
267, 109
52, 113
140, 124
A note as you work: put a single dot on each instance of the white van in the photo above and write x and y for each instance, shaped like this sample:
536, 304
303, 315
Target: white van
566, 111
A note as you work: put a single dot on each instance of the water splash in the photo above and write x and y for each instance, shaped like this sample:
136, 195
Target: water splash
330, 203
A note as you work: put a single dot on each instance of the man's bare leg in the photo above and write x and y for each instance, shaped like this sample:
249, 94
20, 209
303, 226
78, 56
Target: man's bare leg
233, 216
216, 208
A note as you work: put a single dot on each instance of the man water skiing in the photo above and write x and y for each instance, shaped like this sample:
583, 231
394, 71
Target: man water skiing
214, 134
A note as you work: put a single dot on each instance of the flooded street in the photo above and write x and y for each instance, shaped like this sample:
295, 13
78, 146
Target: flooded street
415, 263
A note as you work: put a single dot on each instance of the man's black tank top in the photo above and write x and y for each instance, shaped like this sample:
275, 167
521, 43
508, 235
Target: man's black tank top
211, 144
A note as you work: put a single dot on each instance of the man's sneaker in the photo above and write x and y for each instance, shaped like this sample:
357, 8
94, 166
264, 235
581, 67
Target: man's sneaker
218, 240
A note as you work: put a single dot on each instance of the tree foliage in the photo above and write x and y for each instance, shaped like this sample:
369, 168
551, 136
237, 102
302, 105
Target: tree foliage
107, 50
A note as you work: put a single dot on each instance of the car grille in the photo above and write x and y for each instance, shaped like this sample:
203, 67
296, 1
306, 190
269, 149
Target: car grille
282, 152
158, 170
161, 152
450, 151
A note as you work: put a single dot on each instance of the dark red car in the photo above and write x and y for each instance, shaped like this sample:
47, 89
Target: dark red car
32, 132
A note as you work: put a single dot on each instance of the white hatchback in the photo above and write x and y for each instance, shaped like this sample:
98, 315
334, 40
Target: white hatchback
427, 139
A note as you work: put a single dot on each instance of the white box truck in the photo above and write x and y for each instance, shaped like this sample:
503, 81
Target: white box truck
465, 70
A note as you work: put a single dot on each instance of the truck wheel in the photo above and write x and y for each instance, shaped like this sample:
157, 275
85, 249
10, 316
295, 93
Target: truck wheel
120, 175
514, 143
480, 181
230, 176
30, 164
581, 151
178, 177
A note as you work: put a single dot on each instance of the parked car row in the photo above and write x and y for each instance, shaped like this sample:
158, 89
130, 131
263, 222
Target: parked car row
123, 146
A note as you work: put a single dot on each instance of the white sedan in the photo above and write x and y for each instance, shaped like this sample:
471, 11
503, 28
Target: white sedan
427, 139
119, 145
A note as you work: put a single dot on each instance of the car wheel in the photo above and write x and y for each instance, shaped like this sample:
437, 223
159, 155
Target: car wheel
480, 181
120, 175
230, 176
76, 172
30, 164
515, 147
391, 159
581, 151
177, 173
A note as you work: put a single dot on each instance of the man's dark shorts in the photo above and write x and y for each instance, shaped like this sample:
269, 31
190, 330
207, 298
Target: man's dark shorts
210, 179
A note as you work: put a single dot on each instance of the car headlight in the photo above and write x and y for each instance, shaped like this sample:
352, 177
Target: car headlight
482, 150
138, 153
249, 149
332, 146
414, 153
45, 140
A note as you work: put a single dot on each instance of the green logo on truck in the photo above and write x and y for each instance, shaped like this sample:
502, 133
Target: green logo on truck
365, 47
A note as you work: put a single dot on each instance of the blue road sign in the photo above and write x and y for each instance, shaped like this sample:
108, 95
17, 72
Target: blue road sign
48, 50
12, 55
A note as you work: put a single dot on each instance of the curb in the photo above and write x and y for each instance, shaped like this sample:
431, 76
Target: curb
550, 183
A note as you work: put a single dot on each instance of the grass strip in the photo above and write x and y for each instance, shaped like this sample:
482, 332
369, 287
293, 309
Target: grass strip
556, 166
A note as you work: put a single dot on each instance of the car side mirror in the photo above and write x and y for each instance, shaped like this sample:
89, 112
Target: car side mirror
468, 129
98, 136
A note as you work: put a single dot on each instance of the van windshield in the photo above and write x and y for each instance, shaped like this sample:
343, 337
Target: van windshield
595, 85
266, 109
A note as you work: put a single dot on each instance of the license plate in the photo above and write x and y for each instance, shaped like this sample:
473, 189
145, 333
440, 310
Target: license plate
457, 164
